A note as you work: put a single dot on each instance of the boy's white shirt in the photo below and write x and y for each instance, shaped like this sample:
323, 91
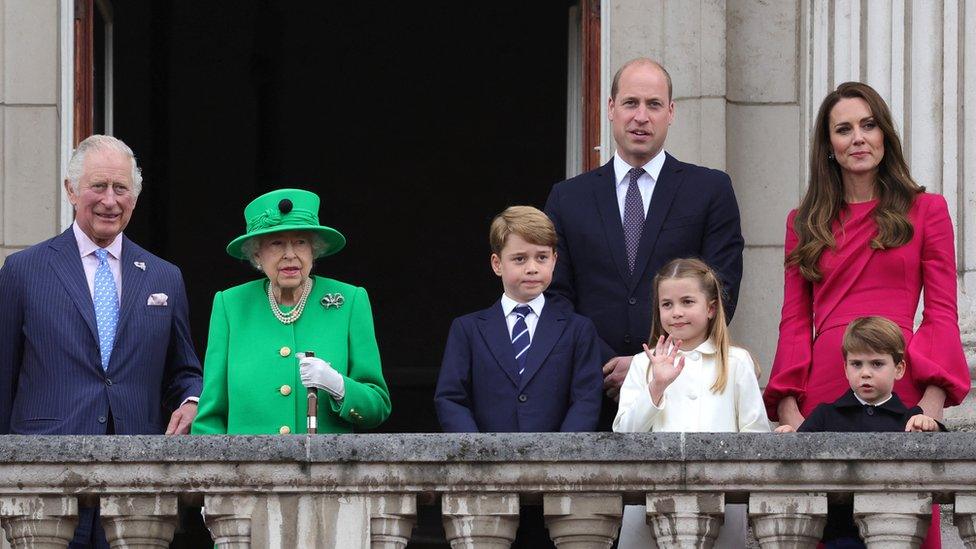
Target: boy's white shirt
531, 320
688, 404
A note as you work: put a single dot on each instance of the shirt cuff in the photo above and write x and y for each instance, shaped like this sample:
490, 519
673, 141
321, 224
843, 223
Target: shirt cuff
195, 400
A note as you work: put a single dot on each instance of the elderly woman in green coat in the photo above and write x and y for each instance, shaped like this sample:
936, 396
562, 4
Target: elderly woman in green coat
255, 368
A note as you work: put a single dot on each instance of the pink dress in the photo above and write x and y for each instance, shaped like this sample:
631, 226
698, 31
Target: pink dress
861, 281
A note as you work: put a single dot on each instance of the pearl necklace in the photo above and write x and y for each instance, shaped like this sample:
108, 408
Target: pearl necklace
293, 315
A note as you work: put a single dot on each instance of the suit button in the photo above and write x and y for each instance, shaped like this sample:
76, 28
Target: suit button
522, 398
285, 351
284, 430
870, 410
108, 382
102, 419
285, 390
627, 339
632, 301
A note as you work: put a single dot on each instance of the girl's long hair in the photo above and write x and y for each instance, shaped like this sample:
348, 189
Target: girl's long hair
824, 199
711, 286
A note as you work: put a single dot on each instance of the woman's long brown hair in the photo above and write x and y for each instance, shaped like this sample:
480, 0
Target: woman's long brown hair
824, 199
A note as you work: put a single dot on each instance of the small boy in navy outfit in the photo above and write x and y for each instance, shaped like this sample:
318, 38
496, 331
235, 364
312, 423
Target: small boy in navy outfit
874, 358
528, 363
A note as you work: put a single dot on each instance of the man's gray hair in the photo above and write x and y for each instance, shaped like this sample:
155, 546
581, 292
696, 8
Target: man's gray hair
76, 166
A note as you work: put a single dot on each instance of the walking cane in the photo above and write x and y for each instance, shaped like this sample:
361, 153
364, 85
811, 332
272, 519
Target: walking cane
311, 418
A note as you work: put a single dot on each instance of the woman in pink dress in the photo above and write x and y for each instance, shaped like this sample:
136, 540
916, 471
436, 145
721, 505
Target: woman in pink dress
866, 240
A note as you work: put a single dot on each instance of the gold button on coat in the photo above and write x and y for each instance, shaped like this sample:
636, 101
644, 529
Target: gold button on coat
285, 390
284, 430
285, 351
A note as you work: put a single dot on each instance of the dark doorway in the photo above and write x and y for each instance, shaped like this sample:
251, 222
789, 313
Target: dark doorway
415, 122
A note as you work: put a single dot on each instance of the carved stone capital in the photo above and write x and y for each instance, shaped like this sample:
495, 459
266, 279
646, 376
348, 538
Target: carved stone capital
685, 519
43, 522
139, 521
893, 520
788, 520
391, 520
480, 521
583, 521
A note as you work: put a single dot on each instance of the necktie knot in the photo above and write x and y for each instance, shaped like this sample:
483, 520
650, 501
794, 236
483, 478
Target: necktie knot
635, 174
522, 310
102, 255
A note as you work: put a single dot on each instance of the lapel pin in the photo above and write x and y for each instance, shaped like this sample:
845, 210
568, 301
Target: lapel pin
139, 265
333, 300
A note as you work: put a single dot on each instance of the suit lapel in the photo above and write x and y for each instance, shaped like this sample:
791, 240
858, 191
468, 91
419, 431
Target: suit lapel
491, 324
605, 193
133, 280
66, 263
550, 327
666, 186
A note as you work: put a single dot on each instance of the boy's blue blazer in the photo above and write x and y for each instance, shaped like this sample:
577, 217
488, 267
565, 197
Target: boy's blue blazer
479, 389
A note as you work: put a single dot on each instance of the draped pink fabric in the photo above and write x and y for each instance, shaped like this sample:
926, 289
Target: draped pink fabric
860, 281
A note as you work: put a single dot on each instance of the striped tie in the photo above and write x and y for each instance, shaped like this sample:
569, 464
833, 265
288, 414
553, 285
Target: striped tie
520, 336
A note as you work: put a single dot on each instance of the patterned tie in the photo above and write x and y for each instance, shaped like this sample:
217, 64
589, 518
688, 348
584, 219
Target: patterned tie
633, 217
106, 306
520, 336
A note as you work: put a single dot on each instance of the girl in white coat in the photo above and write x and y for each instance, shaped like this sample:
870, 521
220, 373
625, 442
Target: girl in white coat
693, 380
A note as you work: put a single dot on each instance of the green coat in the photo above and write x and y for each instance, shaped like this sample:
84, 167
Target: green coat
251, 382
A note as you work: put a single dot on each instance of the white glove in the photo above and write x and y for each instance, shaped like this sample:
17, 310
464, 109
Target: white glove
319, 374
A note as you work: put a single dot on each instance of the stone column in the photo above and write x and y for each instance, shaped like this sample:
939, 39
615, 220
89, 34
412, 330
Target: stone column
391, 520
893, 520
139, 521
41, 522
685, 519
583, 521
229, 519
788, 521
480, 521
965, 517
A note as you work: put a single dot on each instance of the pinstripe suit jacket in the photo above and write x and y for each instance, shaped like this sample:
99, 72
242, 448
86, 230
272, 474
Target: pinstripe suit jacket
51, 378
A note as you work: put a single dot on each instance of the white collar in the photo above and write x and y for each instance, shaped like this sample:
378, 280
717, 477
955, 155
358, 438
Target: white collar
536, 304
866, 403
87, 247
653, 168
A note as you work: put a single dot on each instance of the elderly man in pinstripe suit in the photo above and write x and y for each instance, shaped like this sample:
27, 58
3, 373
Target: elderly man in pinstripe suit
94, 335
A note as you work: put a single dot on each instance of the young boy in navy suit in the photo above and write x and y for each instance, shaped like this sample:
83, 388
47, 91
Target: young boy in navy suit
874, 358
528, 363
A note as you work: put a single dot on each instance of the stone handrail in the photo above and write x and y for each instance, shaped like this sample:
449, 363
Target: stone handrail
363, 490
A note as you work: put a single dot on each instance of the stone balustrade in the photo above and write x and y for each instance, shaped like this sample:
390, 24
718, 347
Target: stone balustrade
352, 491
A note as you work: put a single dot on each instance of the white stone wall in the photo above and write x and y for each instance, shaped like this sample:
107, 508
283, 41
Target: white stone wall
29, 123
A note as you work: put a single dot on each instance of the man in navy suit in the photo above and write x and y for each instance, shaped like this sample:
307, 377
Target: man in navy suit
94, 329
620, 223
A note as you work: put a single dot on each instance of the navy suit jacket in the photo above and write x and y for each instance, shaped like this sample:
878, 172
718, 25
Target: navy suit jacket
51, 377
693, 213
480, 390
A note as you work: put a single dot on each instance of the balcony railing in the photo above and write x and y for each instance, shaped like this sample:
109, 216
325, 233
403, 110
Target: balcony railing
352, 491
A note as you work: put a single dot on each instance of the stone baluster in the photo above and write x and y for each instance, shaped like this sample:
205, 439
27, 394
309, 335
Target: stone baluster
228, 517
41, 522
964, 515
788, 521
480, 521
583, 521
893, 520
391, 520
685, 519
139, 521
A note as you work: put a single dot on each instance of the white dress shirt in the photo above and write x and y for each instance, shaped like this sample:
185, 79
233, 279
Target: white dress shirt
646, 182
531, 319
688, 404
90, 262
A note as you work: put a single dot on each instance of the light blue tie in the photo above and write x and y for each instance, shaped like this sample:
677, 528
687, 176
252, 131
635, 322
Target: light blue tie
520, 336
106, 306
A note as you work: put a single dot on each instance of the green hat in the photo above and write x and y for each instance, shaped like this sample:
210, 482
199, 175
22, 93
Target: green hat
285, 210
